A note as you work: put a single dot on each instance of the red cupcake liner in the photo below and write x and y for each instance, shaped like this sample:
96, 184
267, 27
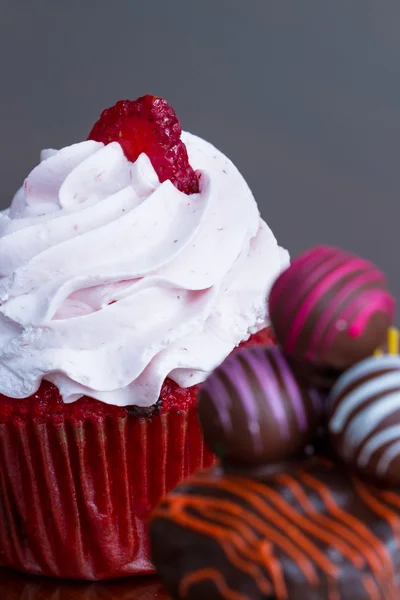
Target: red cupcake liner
79, 481
75, 496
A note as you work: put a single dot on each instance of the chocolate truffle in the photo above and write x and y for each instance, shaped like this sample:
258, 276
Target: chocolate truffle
364, 418
253, 410
309, 532
330, 309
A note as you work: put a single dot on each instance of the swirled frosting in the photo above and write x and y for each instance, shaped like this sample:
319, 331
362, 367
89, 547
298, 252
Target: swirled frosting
111, 281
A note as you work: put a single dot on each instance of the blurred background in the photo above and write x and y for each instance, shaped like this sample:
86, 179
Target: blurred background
304, 97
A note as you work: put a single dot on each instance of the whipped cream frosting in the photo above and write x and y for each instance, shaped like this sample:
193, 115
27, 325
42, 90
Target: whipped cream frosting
111, 281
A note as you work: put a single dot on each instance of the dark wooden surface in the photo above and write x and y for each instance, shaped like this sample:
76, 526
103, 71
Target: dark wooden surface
15, 586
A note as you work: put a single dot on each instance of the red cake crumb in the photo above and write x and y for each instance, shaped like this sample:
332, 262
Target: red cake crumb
47, 403
174, 398
149, 125
262, 338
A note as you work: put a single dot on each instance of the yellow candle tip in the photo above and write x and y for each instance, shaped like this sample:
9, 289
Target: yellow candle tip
393, 341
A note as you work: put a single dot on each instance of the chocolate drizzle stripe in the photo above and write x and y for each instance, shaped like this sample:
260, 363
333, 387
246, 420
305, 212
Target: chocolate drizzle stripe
347, 289
316, 293
251, 556
367, 367
286, 543
264, 373
364, 422
219, 395
333, 593
375, 301
378, 508
213, 575
282, 541
390, 497
255, 494
230, 545
357, 314
295, 301
388, 456
376, 442
316, 399
316, 531
318, 266
325, 304
361, 393
274, 567
366, 536
331, 523
371, 588
284, 509
246, 564
294, 394
313, 257
344, 312
235, 373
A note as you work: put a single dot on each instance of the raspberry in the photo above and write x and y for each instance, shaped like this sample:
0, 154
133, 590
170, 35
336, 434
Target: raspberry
149, 125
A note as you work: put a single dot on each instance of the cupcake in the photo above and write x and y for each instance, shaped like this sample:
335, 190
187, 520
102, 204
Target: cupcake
131, 265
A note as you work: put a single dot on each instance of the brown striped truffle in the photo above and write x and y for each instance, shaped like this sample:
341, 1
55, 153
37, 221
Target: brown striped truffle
254, 411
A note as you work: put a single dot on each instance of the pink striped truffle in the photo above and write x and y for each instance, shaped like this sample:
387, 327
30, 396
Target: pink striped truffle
330, 308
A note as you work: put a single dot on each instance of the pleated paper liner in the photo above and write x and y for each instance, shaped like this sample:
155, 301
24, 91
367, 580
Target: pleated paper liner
75, 497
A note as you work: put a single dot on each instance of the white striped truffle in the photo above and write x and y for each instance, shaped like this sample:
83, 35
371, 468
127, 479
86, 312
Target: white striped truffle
364, 421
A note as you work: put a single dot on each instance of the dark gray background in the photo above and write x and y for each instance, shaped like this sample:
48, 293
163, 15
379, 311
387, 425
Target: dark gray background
304, 96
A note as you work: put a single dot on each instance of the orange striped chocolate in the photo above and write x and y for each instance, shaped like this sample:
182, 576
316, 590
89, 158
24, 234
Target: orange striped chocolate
308, 531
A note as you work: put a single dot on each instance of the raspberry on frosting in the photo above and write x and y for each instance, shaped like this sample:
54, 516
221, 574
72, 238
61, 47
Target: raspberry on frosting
149, 125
